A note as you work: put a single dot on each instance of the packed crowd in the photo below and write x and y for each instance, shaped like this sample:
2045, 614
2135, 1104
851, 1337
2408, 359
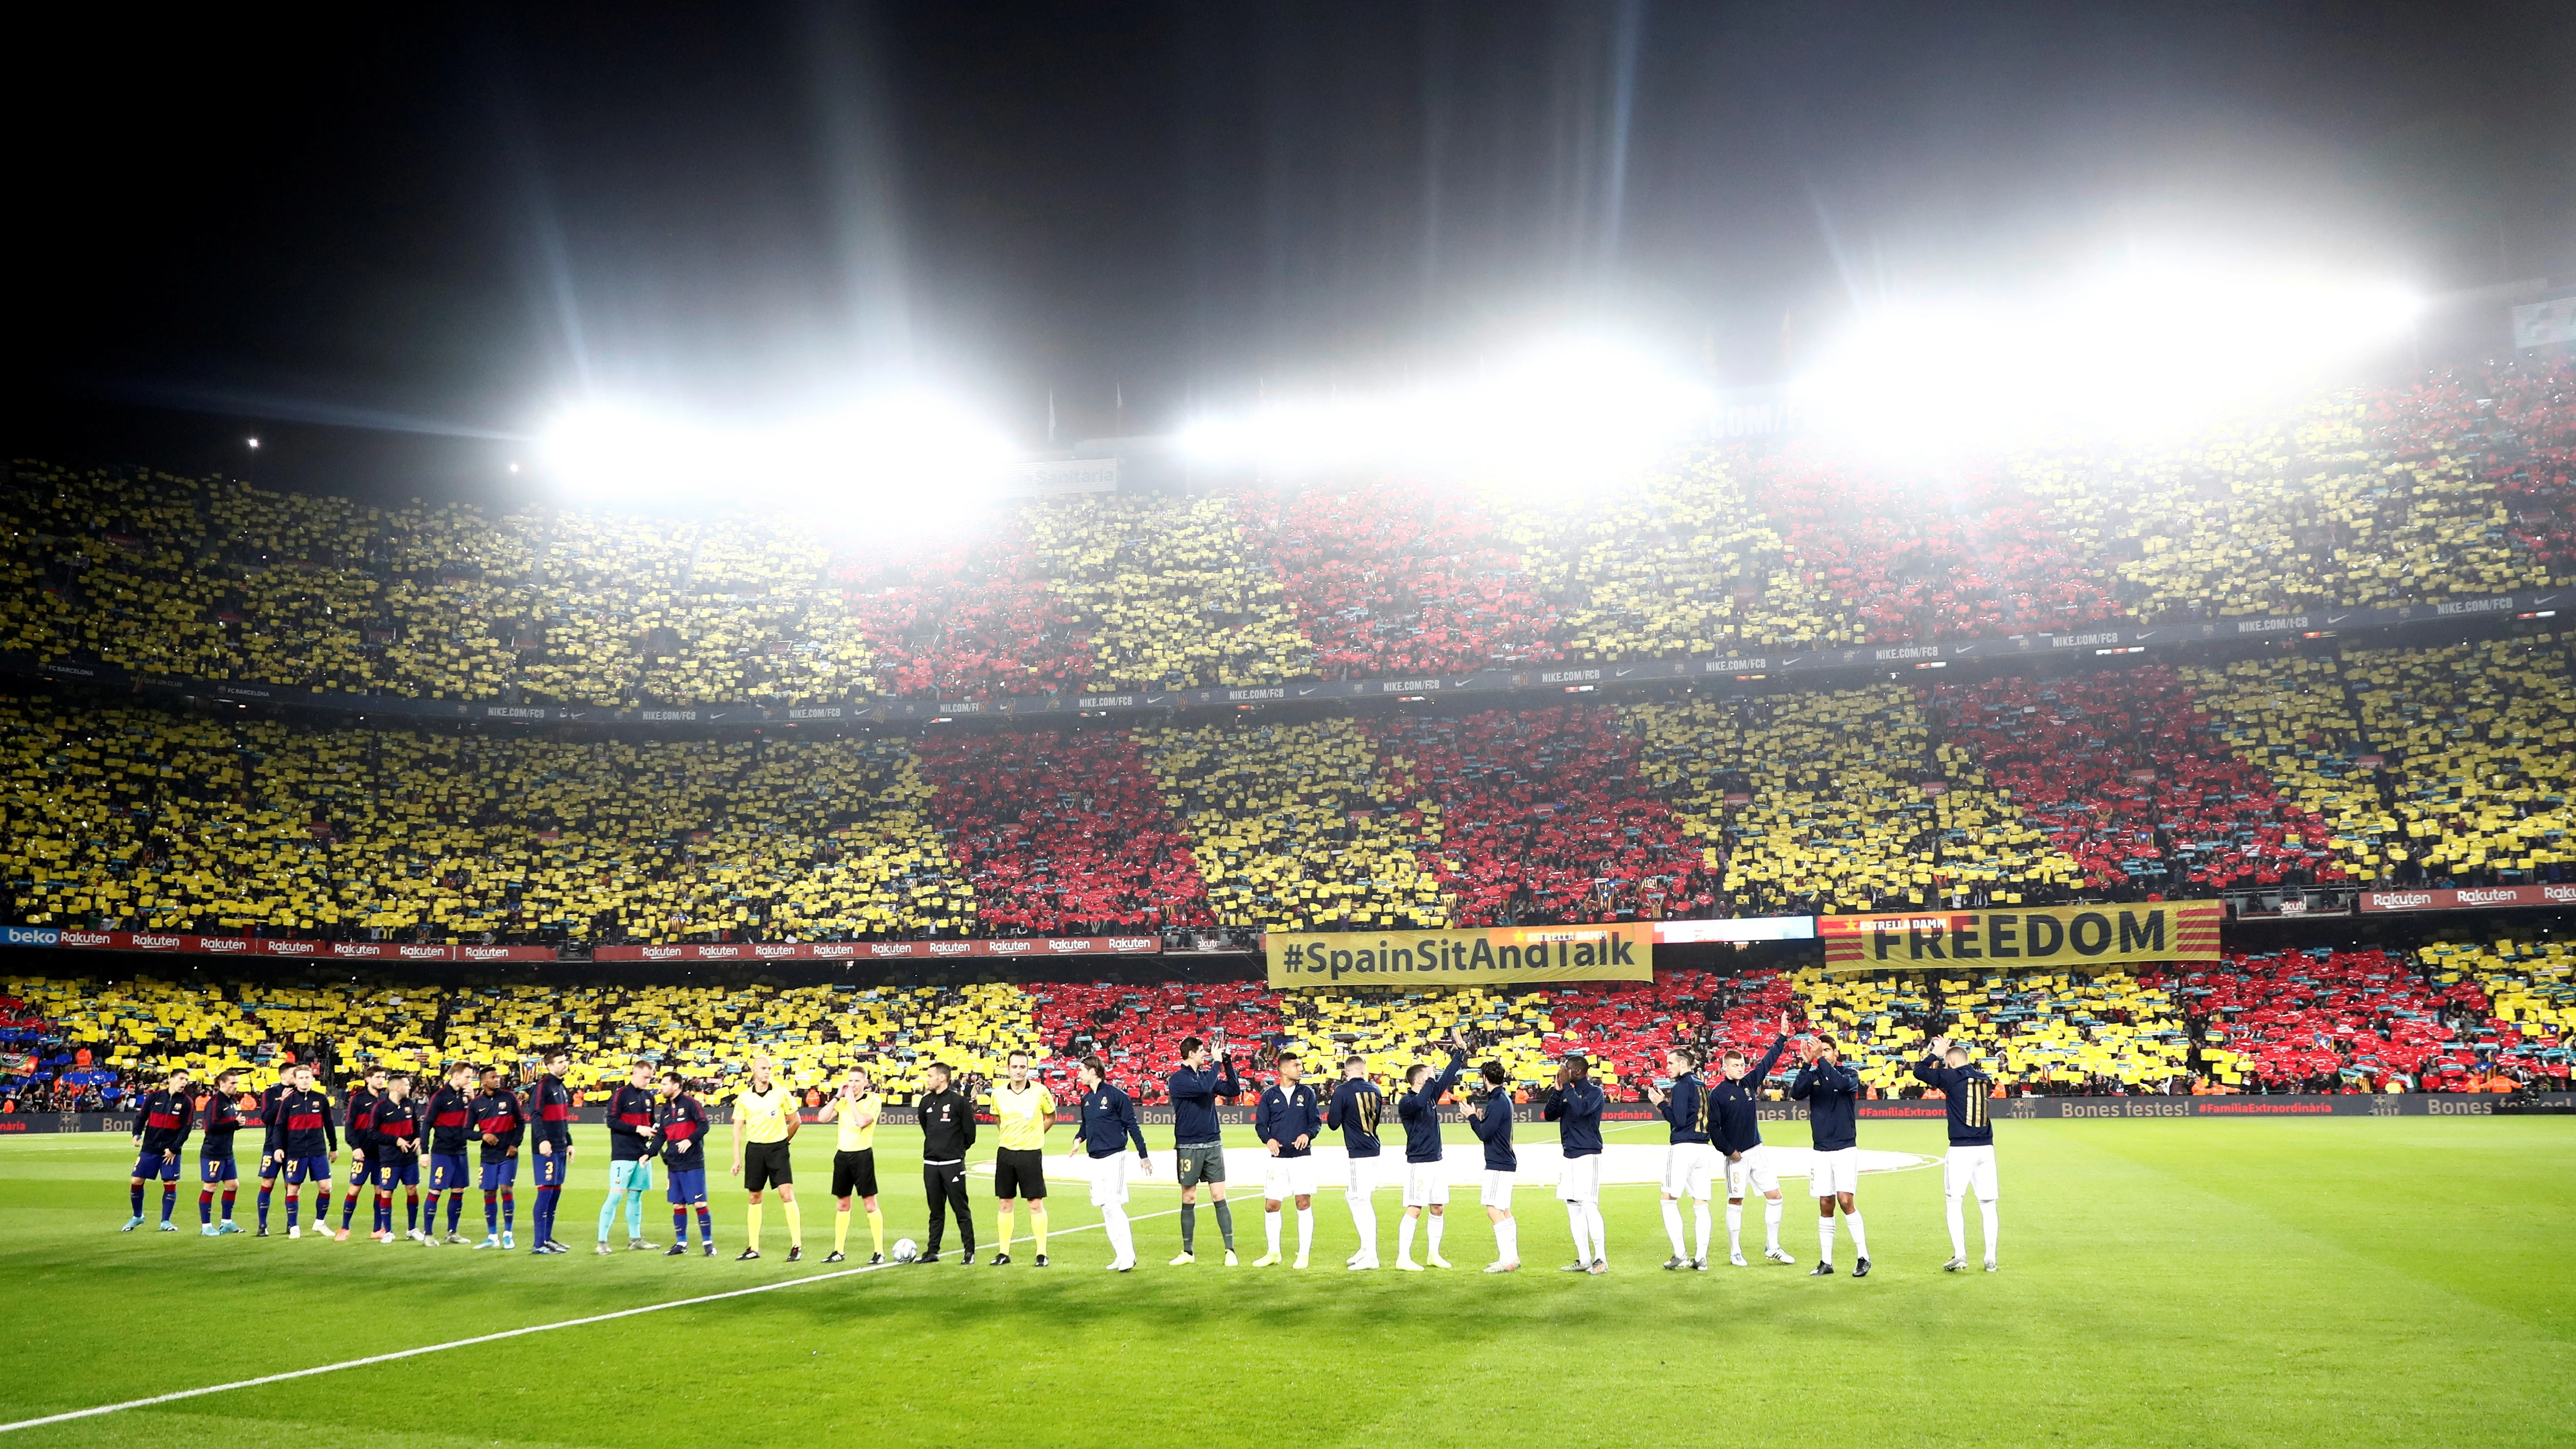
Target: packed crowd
2456, 485
2457, 1016
2428, 766
2121, 772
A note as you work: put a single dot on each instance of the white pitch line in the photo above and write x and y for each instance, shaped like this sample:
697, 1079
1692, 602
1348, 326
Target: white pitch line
306, 1373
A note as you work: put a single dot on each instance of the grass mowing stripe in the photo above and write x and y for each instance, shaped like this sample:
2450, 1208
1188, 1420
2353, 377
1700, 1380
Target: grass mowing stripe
403, 1353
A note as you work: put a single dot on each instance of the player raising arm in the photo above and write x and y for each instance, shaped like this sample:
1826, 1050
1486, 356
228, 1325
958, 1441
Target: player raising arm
1426, 1176
1574, 1105
853, 1110
1736, 1124
162, 1121
1286, 1122
1109, 1123
1198, 1142
1831, 1091
680, 1135
1964, 1087
765, 1113
1490, 1118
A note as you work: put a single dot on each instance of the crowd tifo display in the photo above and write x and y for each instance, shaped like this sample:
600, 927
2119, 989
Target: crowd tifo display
2436, 767
2455, 486
2456, 1016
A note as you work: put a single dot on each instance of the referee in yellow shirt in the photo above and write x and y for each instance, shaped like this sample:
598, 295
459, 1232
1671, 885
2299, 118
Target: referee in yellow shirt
854, 1110
1023, 1109
765, 1113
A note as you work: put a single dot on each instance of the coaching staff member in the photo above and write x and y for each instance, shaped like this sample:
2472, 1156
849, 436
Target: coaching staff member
947, 1131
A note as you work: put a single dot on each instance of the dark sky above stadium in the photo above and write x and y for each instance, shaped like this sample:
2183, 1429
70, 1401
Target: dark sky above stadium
361, 239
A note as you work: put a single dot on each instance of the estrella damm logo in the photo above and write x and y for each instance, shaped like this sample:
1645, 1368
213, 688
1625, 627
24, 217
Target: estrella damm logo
1618, 952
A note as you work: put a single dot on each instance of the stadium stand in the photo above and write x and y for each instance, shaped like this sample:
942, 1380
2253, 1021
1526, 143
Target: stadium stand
1060, 833
966, 619
2455, 485
1839, 801
2119, 770
1296, 826
2320, 1019
2109, 1034
1169, 592
1920, 557
1398, 579
1543, 818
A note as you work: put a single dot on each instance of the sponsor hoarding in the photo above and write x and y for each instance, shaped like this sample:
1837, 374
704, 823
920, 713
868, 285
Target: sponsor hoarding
1026, 947
2468, 898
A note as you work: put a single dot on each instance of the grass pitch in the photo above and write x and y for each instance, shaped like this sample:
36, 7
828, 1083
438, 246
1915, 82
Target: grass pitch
2337, 1281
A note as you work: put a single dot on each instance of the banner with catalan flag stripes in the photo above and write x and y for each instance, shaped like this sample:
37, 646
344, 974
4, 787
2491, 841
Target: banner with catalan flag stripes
2082, 938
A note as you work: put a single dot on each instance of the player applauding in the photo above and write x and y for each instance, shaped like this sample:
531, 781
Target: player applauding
1737, 1126
1971, 1163
1426, 1176
1357, 1104
1490, 1118
1574, 1104
1831, 1091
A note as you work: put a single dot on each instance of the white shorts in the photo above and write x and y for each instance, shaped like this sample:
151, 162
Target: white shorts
1288, 1177
1751, 1174
1426, 1184
1108, 1178
1829, 1173
1497, 1192
1362, 1178
1578, 1179
1688, 1166
1970, 1167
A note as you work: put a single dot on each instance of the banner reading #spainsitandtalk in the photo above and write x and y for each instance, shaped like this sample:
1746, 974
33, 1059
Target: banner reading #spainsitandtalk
1624, 951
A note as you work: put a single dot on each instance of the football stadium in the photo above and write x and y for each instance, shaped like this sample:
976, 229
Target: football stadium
1388, 725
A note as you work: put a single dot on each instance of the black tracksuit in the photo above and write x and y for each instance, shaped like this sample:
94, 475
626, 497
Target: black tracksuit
947, 1132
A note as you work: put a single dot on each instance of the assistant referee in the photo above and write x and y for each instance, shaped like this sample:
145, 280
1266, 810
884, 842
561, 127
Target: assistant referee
765, 1114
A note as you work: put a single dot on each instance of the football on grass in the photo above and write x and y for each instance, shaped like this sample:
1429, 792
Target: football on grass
905, 1250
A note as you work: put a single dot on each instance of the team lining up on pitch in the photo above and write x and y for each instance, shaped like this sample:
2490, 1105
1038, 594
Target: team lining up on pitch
393, 1135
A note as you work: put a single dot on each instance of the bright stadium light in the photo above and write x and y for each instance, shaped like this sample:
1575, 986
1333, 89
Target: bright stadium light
890, 457
1559, 414
2149, 345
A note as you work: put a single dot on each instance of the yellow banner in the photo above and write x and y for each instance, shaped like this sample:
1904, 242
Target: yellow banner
1621, 952
2078, 938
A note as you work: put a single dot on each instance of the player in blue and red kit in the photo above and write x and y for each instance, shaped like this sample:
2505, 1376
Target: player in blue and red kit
501, 1123
304, 1139
359, 1114
397, 1158
226, 1113
680, 1136
448, 1119
272, 1158
161, 1124
550, 1135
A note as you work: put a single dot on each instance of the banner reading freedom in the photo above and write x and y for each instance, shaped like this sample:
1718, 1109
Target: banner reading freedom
2083, 937
1622, 952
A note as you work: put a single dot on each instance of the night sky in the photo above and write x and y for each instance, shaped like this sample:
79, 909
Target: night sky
377, 246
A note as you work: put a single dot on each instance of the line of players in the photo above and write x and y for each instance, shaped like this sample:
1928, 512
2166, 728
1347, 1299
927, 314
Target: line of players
393, 1135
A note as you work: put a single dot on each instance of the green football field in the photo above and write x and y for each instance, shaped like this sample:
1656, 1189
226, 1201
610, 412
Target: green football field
2335, 1281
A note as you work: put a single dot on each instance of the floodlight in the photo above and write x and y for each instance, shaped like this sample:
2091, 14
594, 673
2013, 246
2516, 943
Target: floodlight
892, 455
1556, 414
2151, 344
